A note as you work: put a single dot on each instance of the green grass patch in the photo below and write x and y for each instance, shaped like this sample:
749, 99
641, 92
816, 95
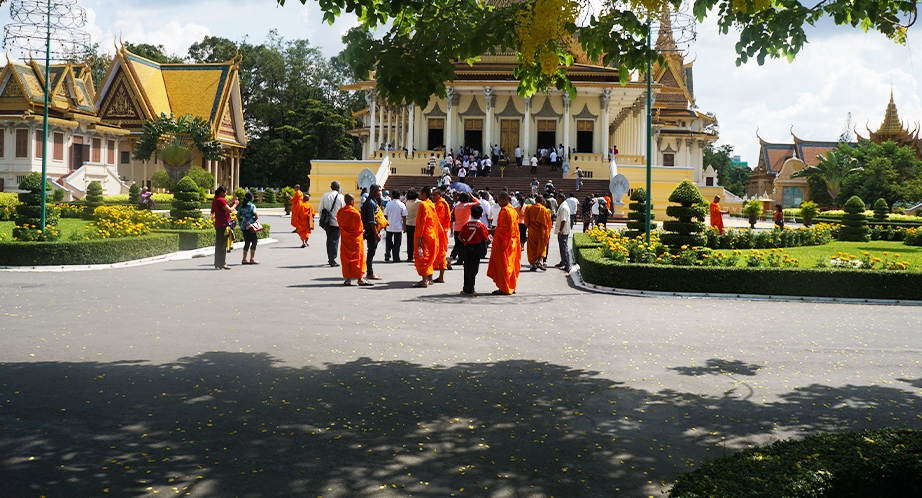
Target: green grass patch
809, 255
67, 227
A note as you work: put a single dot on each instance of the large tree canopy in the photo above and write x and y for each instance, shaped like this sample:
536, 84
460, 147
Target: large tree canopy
413, 59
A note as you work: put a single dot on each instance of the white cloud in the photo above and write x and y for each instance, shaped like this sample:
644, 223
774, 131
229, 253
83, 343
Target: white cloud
174, 36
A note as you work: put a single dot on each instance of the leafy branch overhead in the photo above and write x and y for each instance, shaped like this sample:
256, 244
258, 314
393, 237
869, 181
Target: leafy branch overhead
422, 39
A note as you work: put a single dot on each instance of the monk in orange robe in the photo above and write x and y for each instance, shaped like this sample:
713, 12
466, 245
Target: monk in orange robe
538, 221
304, 220
426, 238
443, 213
351, 243
717, 218
297, 201
505, 256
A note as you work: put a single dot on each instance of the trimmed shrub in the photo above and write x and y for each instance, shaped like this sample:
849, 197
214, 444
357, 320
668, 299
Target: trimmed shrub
8, 203
881, 210
197, 239
877, 462
854, 222
161, 179
843, 283
134, 195
808, 210
269, 196
239, 192
93, 199
201, 177
637, 215
87, 252
185, 200
685, 232
29, 214
58, 195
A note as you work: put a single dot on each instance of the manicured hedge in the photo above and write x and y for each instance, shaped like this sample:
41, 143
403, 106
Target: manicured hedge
87, 252
881, 462
843, 283
197, 239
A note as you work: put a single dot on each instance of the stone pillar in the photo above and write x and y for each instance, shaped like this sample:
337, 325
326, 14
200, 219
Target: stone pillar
380, 136
411, 140
526, 131
398, 133
488, 125
450, 119
688, 151
566, 126
371, 99
605, 101
388, 117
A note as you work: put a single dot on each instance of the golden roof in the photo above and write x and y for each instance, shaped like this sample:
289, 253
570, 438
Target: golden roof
891, 125
150, 78
195, 89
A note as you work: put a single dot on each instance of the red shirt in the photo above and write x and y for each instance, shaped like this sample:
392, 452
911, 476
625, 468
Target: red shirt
219, 210
473, 232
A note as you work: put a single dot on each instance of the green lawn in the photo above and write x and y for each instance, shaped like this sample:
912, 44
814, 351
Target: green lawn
808, 256
67, 226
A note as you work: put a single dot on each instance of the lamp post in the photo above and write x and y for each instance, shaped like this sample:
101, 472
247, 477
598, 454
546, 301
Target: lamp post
45, 114
649, 131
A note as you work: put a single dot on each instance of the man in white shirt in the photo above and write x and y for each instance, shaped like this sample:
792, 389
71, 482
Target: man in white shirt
518, 155
562, 229
485, 205
396, 214
573, 203
332, 201
553, 160
487, 166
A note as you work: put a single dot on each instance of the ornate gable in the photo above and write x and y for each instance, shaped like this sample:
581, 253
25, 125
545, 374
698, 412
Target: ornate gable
227, 128
120, 105
12, 92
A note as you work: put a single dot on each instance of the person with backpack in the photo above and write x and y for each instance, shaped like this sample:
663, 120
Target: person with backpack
330, 204
601, 212
474, 236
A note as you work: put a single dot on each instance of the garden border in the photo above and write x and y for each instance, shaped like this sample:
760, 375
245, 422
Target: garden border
576, 255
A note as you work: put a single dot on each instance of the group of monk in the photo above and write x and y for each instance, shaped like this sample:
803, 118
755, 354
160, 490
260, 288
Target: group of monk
430, 241
302, 215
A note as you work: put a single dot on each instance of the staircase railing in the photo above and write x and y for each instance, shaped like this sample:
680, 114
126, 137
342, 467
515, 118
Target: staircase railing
384, 171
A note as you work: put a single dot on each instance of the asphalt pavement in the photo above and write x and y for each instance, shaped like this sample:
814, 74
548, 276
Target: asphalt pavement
277, 380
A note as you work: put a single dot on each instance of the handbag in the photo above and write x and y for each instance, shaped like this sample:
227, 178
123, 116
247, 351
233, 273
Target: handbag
326, 215
255, 227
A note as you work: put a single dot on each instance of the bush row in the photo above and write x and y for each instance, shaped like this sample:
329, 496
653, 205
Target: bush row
197, 239
87, 252
878, 462
842, 283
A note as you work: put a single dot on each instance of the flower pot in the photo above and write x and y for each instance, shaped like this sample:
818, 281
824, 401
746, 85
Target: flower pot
752, 220
808, 221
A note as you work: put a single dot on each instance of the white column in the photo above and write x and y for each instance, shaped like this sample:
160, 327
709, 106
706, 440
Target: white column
488, 126
398, 134
566, 126
605, 100
380, 135
526, 130
411, 142
388, 116
371, 100
450, 119
642, 133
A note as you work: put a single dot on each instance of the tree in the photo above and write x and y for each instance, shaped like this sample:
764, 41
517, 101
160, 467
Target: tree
831, 169
161, 179
729, 174
156, 53
201, 177
173, 140
889, 171
414, 58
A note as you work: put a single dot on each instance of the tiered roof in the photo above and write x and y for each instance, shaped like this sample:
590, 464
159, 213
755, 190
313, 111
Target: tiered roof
892, 129
22, 88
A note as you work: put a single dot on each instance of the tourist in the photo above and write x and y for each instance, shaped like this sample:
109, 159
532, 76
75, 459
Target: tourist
370, 212
518, 156
304, 221
147, 199
332, 202
351, 252
363, 195
462, 175
534, 186
430, 166
553, 158
573, 203
485, 205
586, 212
505, 258
247, 216
221, 212
779, 216
520, 212
443, 215
717, 218
412, 206
462, 214
538, 221
297, 201
601, 212
549, 188
396, 214
385, 198
474, 236
426, 238
534, 164
579, 178
562, 229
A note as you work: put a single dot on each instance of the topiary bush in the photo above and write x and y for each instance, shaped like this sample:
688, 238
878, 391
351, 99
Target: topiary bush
269, 196
92, 200
854, 222
685, 231
637, 214
134, 195
58, 195
185, 200
879, 462
29, 212
881, 210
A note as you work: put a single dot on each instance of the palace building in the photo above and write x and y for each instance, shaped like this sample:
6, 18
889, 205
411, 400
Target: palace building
482, 109
93, 131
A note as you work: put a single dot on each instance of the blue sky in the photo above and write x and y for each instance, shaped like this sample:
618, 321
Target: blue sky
841, 70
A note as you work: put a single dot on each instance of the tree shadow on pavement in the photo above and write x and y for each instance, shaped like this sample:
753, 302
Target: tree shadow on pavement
715, 366
238, 424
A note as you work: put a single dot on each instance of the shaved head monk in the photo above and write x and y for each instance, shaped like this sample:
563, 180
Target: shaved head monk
538, 221
351, 247
443, 213
297, 201
505, 256
426, 238
304, 220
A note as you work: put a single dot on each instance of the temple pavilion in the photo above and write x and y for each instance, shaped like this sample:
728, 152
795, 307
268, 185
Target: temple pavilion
93, 131
482, 109
772, 180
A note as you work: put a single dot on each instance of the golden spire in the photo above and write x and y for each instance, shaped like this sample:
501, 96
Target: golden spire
891, 125
665, 41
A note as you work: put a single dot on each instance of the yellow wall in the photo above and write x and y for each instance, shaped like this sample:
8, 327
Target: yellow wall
324, 172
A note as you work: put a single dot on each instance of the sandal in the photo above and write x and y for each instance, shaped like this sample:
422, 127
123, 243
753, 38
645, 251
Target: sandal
225, 267
498, 292
253, 262
350, 284
420, 285
244, 262
375, 277
438, 281
366, 284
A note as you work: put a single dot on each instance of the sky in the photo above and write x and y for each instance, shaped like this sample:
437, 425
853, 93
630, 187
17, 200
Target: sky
841, 70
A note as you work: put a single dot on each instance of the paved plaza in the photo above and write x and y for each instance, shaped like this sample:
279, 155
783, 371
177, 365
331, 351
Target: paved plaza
277, 380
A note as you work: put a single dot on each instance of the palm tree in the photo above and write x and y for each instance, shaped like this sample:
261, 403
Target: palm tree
174, 139
831, 169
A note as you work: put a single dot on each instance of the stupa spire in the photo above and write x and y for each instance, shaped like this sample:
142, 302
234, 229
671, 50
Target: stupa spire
665, 40
891, 125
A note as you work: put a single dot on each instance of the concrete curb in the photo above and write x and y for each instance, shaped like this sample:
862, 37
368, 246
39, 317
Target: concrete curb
176, 256
578, 281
